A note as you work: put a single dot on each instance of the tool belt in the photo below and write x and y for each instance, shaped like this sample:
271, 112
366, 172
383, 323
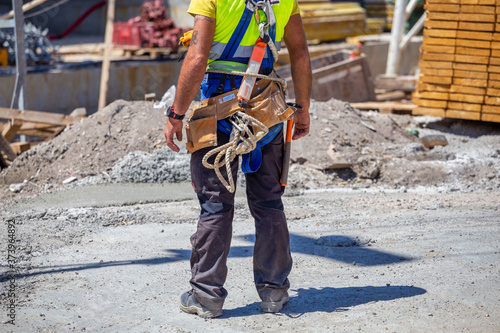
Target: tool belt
267, 104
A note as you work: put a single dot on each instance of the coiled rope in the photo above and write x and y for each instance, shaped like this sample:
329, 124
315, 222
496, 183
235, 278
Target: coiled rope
242, 140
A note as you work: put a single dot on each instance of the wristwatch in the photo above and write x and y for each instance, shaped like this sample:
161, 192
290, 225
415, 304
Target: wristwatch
170, 113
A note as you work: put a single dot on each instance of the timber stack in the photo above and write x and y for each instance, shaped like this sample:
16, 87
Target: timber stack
460, 60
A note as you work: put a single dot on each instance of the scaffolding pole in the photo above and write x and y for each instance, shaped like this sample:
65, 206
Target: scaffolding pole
19, 96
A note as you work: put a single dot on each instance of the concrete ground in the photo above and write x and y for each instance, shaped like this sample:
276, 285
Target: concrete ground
364, 261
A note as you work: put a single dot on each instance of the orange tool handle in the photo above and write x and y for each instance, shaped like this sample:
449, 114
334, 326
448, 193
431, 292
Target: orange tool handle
286, 153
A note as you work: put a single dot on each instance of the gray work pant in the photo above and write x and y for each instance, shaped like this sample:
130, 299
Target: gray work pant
272, 260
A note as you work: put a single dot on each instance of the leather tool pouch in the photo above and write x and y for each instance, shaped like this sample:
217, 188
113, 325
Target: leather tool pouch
267, 105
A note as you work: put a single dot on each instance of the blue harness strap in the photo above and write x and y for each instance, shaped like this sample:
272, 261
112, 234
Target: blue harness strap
214, 84
251, 162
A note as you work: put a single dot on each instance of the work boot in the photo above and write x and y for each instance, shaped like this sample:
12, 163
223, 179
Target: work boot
274, 306
188, 303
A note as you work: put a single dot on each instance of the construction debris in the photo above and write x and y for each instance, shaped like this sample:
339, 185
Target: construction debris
431, 141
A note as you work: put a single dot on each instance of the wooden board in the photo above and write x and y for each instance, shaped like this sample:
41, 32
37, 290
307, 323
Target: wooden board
494, 76
437, 56
443, 1
472, 51
20, 147
491, 109
464, 106
435, 64
495, 61
460, 114
495, 52
471, 59
435, 79
494, 84
470, 67
467, 90
447, 8
436, 72
423, 111
438, 49
493, 92
431, 95
494, 69
433, 24
476, 35
490, 117
467, 98
484, 44
475, 17
37, 117
440, 33
433, 87
477, 9
438, 41
475, 26
385, 107
440, 16
430, 103
492, 100
11, 128
470, 74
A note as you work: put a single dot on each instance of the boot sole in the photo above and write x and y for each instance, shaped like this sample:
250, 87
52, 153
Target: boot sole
273, 307
200, 312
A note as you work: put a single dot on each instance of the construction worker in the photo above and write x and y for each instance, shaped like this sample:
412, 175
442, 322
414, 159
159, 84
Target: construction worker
224, 34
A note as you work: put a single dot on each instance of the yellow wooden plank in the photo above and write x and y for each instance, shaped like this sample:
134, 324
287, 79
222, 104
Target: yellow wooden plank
475, 26
435, 79
483, 44
430, 103
495, 53
438, 41
491, 109
421, 86
431, 95
492, 100
469, 2
447, 8
494, 69
476, 35
436, 72
423, 111
496, 36
437, 56
443, 1
432, 24
440, 33
493, 92
10, 130
494, 76
460, 114
493, 84
497, 26
490, 117
467, 90
470, 67
486, 2
477, 9
475, 17
471, 59
470, 74
472, 51
466, 98
439, 16
495, 45
438, 49
495, 61
19, 147
470, 82
436, 64
464, 106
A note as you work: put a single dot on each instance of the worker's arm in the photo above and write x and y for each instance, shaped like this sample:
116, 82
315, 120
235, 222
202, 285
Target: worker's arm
192, 72
295, 40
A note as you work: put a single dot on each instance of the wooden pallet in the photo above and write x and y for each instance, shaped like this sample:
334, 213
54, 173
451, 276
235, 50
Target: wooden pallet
45, 125
152, 52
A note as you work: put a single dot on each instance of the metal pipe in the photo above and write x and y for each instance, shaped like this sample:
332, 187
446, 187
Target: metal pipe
414, 30
25, 8
409, 9
19, 96
398, 26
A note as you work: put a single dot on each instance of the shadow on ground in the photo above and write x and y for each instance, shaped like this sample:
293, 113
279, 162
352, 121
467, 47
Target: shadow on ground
355, 255
330, 299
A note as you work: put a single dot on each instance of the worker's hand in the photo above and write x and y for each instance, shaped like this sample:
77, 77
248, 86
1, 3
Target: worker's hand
301, 121
173, 126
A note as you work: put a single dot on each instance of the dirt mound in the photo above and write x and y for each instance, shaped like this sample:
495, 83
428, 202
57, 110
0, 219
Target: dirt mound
124, 142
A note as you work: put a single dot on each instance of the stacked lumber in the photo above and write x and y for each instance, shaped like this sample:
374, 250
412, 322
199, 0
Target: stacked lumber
460, 60
324, 22
382, 10
44, 125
